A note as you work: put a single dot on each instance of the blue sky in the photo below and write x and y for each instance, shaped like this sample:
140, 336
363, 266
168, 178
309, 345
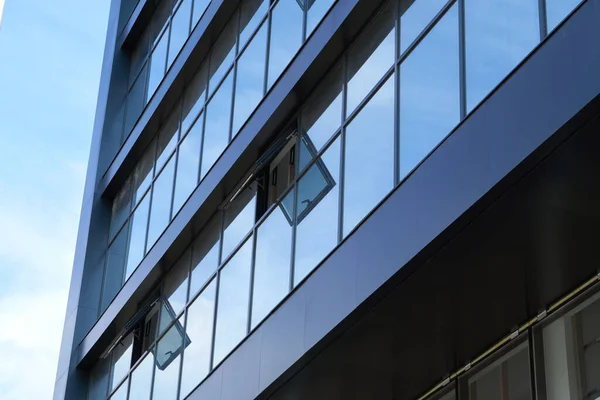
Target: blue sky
50, 60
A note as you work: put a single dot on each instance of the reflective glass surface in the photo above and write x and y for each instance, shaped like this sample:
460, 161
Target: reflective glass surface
372, 55
222, 54
199, 329
167, 362
143, 173
239, 219
188, 164
194, 98
316, 11
252, 13
162, 191
232, 309
317, 232
429, 92
180, 29
158, 62
199, 7
120, 209
167, 138
121, 359
557, 10
369, 174
216, 130
250, 79
115, 267
272, 262
286, 37
141, 379
136, 100
121, 393
499, 34
414, 19
137, 238
175, 287
205, 255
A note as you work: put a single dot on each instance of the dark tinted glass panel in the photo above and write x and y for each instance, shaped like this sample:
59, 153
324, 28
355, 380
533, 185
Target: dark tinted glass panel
318, 203
232, 310
205, 255
419, 14
286, 36
180, 29
369, 174
250, 79
194, 98
216, 131
372, 55
199, 328
138, 236
222, 54
121, 208
162, 192
429, 92
557, 10
188, 164
136, 101
499, 34
158, 64
272, 262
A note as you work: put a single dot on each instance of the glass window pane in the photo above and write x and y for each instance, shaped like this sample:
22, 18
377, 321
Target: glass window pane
138, 236
316, 11
506, 379
143, 173
158, 61
115, 267
234, 296
418, 15
188, 164
216, 131
250, 79
272, 262
180, 29
167, 137
167, 360
222, 54
121, 393
286, 36
160, 214
136, 101
499, 34
159, 19
199, 329
369, 174
175, 287
199, 7
121, 359
557, 10
317, 231
429, 92
139, 55
194, 98
141, 380
252, 12
372, 55
120, 209
322, 116
239, 220
205, 254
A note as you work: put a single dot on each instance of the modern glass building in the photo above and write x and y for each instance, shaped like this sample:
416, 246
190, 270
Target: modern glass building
351, 199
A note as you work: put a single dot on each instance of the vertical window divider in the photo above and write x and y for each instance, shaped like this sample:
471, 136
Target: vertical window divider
153, 355
532, 363
543, 19
234, 69
304, 20
252, 267
268, 22
462, 59
180, 372
342, 147
217, 279
203, 116
295, 187
128, 377
397, 83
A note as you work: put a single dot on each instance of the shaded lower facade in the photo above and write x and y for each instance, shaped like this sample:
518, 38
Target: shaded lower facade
404, 215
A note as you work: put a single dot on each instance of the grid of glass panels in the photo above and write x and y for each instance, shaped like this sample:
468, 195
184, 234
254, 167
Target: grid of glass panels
396, 93
216, 103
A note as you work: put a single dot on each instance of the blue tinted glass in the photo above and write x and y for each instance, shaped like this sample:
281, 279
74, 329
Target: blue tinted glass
115, 267
120, 209
316, 12
138, 236
199, 7
205, 254
167, 362
158, 64
222, 54
180, 29
216, 131
557, 10
121, 393
286, 36
252, 13
121, 360
499, 34
188, 164
239, 220
369, 165
194, 98
141, 380
234, 296
136, 101
272, 262
418, 15
162, 192
429, 92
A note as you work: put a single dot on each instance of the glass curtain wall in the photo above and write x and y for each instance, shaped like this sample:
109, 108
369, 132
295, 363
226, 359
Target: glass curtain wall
394, 96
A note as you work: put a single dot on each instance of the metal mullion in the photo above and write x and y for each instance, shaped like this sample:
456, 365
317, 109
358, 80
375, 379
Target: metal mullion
543, 22
153, 355
201, 149
462, 59
268, 52
216, 305
295, 202
251, 293
342, 154
232, 103
304, 22
397, 23
182, 355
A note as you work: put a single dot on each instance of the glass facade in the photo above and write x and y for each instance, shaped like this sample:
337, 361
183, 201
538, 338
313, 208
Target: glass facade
404, 84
